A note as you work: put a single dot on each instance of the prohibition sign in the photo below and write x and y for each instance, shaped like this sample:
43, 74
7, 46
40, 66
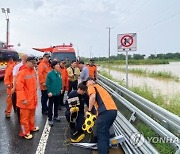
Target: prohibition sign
126, 40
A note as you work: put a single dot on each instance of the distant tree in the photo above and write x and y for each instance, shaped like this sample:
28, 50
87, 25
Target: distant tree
138, 56
152, 56
160, 56
129, 57
177, 55
169, 56
121, 56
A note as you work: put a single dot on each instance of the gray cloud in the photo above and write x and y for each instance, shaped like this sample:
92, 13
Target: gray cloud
40, 23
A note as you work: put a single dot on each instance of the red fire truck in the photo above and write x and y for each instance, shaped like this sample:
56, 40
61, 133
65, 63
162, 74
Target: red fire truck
60, 52
5, 54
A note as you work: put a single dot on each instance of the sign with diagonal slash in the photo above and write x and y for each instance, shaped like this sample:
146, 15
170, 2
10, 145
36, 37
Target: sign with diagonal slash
126, 42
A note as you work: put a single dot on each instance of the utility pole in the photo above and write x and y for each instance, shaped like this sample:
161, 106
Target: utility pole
6, 12
109, 53
77, 49
90, 52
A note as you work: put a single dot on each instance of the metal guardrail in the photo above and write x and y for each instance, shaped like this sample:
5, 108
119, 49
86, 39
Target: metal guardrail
123, 126
169, 120
114, 90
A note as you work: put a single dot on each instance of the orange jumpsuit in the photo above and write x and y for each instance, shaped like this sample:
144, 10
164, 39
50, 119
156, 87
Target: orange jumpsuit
43, 69
9, 63
26, 89
65, 82
8, 79
92, 71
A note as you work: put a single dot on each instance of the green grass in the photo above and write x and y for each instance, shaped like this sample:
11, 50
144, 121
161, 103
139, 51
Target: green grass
147, 93
148, 133
138, 71
173, 105
161, 74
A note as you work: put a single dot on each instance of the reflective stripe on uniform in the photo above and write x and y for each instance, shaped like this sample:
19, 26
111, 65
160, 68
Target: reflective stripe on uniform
29, 76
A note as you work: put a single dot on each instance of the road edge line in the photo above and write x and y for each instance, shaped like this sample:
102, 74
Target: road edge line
44, 137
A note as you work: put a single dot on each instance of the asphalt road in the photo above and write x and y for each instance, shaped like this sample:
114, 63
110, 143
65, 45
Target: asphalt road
11, 143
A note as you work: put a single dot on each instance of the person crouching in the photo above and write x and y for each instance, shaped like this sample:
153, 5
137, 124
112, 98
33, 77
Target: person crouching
75, 112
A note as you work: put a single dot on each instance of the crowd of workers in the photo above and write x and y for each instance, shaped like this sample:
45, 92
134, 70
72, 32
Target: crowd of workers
54, 79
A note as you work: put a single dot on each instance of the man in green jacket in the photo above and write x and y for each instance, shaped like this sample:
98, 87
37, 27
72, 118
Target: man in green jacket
54, 88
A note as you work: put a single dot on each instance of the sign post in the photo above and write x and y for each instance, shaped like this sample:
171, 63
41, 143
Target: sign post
127, 42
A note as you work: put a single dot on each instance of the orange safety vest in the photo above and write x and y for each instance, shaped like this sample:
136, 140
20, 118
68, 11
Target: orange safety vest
103, 100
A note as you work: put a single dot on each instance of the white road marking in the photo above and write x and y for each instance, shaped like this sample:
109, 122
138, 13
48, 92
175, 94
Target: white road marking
44, 137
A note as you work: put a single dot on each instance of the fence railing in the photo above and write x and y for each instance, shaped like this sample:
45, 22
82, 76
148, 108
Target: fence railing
167, 119
147, 112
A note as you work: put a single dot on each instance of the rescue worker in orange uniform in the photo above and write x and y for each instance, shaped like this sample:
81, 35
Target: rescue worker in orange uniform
8, 81
43, 69
106, 110
16, 69
65, 82
92, 69
26, 90
10, 62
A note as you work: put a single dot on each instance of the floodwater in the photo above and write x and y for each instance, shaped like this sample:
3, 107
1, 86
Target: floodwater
168, 88
173, 67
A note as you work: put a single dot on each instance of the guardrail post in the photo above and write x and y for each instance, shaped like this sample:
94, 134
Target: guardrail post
165, 124
133, 117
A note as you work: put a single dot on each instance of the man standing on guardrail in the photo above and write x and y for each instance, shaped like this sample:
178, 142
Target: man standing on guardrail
106, 110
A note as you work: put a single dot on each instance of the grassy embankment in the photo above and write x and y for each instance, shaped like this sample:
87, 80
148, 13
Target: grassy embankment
147, 93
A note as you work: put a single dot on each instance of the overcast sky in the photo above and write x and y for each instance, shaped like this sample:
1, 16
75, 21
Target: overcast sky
42, 23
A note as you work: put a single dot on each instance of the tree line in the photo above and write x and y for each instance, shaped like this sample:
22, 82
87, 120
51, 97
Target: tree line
173, 56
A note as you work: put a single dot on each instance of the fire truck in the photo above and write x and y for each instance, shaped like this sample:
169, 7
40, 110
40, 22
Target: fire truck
60, 52
5, 54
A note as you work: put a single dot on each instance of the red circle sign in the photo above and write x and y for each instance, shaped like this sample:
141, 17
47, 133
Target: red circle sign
126, 40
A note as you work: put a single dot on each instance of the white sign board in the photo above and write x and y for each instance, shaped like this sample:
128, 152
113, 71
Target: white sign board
127, 42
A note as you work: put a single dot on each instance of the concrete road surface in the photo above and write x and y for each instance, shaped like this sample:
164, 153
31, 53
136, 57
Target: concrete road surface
47, 140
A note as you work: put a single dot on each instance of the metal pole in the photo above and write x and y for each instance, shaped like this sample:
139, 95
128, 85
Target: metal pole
6, 12
109, 41
109, 44
77, 49
7, 34
126, 69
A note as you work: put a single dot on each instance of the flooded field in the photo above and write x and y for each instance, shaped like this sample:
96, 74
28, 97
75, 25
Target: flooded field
168, 88
172, 67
